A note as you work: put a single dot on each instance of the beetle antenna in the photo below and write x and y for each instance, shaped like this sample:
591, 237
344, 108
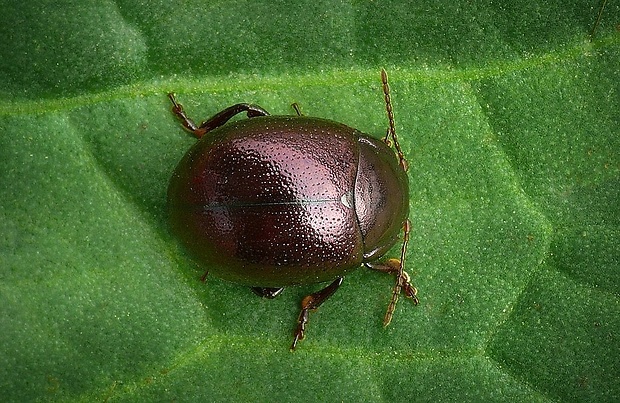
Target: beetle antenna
598, 20
403, 281
391, 132
388, 107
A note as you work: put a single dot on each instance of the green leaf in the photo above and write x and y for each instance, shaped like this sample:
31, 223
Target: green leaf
509, 115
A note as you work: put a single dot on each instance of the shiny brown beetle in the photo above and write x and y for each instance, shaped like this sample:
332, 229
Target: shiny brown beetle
277, 201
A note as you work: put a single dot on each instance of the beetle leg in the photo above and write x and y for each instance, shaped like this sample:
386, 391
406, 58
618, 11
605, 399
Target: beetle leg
311, 303
295, 106
267, 292
216, 120
223, 116
187, 123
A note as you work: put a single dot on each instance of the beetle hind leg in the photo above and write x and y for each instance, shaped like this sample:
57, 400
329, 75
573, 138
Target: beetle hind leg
311, 303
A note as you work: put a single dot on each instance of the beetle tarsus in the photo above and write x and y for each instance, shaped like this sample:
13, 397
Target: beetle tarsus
410, 291
301, 326
187, 123
311, 303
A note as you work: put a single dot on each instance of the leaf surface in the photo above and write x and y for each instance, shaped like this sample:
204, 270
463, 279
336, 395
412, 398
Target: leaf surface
509, 116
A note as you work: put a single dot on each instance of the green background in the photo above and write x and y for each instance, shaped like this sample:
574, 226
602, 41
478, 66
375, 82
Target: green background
509, 115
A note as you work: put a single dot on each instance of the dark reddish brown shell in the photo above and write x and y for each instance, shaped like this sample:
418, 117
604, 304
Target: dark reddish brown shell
278, 200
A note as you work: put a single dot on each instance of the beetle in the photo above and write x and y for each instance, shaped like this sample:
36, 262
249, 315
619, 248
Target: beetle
277, 201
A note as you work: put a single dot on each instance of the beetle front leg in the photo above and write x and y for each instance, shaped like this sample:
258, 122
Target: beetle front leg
311, 303
215, 121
